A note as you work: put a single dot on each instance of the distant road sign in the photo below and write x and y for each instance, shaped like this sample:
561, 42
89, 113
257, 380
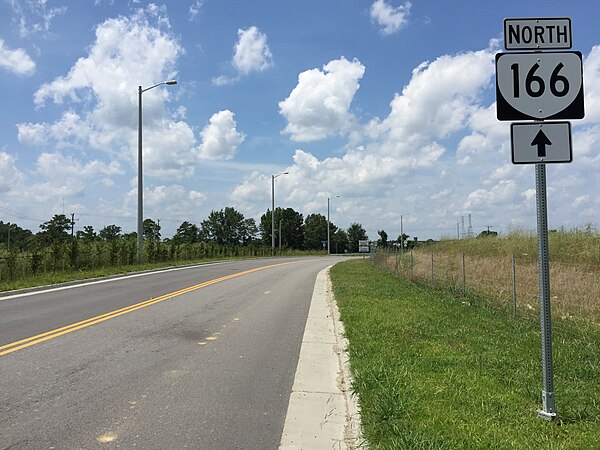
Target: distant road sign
539, 86
363, 246
541, 142
549, 33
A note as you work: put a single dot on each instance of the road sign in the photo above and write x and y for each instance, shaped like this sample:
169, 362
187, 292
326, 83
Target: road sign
363, 246
542, 142
539, 86
549, 33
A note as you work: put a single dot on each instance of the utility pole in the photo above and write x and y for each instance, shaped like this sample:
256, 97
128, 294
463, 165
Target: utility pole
273, 210
328, 223
72, 224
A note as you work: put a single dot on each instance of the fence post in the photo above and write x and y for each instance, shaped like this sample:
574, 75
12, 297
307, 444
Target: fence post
514, 281
411, 265
464, 276
432, 279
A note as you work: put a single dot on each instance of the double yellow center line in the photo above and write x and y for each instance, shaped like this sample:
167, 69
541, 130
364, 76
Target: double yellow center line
33, 340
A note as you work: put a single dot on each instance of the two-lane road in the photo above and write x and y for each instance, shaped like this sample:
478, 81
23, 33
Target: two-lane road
200, 358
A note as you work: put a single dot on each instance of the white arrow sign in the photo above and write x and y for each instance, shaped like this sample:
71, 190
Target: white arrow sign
541, 142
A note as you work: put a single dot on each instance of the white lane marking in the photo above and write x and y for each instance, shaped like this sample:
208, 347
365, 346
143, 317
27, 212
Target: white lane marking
135, 275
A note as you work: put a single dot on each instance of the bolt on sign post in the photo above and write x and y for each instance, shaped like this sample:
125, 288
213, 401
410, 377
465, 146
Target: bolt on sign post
538, 85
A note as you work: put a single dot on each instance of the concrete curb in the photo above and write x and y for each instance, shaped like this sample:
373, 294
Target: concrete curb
322, 412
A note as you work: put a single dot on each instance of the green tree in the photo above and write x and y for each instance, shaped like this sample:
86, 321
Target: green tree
14, 236
226, 226
315, 231
87, 234
187, 233
151, 230
339, 241
356, 233
249, 231
404, 239
265, 228
110, 232
55, 230
383, 238
292, 228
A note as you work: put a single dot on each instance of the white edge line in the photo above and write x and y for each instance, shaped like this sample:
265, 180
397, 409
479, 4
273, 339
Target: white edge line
89, 283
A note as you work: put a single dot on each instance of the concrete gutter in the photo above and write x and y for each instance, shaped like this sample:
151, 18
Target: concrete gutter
322, 412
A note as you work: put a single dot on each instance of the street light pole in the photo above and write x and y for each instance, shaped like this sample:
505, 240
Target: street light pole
402, 234
328, 240
273, 210
140, 209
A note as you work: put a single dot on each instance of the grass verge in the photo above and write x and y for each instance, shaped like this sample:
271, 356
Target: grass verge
433, 372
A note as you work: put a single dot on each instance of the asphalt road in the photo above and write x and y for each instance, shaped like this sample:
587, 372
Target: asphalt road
209, 368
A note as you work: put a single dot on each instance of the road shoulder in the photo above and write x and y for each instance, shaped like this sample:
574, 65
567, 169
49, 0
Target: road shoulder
322, 412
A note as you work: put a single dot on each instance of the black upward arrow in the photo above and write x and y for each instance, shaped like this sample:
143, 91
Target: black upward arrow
541, 140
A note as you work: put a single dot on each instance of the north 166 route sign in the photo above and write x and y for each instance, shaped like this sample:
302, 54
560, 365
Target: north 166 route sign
539, 86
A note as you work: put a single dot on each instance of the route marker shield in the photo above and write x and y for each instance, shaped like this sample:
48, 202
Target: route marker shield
539, 86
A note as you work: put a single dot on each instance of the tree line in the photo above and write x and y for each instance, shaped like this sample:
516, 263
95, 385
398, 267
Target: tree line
57, 247
225, 227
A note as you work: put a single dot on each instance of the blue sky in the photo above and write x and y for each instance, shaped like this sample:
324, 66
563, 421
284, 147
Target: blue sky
387, 103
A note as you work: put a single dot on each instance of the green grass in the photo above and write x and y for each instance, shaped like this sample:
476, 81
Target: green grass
569, 247
433, 372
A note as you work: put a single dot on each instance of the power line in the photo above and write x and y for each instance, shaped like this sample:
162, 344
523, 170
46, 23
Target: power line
19, 215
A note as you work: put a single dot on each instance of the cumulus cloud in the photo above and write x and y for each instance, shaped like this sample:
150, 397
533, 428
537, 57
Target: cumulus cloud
170, 202
125, 49
390, 19
220, 138
441, 96
58, 176
16, 61
591, 80
56, 166
69, 131
10, 176
319, 105
101, 92
410, 156
251, 52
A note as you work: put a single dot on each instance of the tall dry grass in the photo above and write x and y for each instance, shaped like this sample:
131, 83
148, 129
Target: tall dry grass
488, 272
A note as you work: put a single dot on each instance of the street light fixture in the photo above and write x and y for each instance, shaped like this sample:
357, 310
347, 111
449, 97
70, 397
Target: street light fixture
328, 247
273, 210
140, 221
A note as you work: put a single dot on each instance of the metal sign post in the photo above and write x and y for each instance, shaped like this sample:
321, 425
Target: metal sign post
537, 85
549, 410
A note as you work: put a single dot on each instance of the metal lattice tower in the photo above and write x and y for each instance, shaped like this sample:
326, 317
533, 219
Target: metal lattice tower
470, 231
